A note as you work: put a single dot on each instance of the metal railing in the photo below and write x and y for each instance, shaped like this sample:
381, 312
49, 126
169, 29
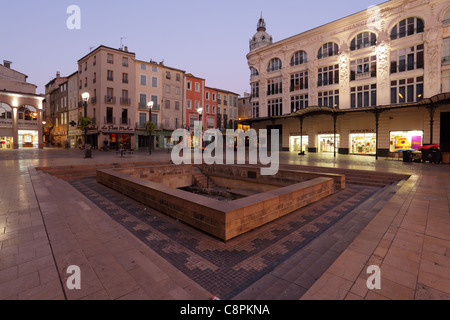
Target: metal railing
109, 99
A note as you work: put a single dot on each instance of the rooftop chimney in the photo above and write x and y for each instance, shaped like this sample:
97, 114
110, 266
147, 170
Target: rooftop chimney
58, 74
126, 49
7, 64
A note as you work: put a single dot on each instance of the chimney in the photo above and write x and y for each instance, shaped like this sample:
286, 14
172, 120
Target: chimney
126, 49
58, 74
7, 64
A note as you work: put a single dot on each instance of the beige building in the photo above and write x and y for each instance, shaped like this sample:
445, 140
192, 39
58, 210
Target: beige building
148, 87
108, 75
374, 82
164, 86
21, 111
74, 112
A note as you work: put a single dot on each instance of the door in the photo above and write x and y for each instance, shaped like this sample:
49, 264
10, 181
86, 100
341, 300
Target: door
445, 132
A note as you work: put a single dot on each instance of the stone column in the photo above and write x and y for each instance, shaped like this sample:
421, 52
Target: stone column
15, 131
40, 129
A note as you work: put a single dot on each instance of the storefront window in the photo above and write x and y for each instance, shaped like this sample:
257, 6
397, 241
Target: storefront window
28, 139
363, 143
295, 141
6, 142
406, 140
326, 143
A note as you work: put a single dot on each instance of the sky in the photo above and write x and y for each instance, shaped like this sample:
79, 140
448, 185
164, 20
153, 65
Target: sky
208, 38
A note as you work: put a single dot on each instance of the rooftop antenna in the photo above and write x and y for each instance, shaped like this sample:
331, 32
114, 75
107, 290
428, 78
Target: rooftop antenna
121, 42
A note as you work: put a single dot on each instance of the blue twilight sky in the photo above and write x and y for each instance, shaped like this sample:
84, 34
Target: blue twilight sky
208, 38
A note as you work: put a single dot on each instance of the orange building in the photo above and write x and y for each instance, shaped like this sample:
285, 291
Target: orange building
195, 99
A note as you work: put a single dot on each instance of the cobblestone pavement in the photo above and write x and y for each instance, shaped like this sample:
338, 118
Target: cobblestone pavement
127, 251
224, 269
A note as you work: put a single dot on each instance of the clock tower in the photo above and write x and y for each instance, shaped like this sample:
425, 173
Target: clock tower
261, 38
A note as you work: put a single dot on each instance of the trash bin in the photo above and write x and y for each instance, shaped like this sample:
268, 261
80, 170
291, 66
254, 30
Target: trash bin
431, 153
88, 151
446, 157
407, 156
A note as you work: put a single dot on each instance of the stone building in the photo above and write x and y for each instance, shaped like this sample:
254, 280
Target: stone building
21, 111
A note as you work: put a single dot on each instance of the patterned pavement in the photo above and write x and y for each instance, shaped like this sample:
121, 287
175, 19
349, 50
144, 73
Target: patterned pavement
225, 269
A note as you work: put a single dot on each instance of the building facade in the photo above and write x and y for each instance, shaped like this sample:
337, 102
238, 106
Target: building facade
374, 82
21, 111
108, 76
195, 100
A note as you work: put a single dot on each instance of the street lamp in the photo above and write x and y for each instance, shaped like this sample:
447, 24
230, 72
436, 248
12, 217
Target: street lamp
150, 106
200, 111
85, 97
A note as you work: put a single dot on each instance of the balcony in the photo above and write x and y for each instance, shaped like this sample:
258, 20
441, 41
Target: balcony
94, 100
110, 99
125, 101
125, 121
364, 75
109, 120
446, 60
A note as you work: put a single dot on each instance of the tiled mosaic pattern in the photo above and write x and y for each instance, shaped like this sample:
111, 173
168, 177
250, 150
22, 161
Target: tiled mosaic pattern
224, 269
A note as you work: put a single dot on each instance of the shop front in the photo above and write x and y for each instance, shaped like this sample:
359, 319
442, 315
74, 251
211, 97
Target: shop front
28, 139
327, 143
298, 143
406, 140
363, 143
6, 143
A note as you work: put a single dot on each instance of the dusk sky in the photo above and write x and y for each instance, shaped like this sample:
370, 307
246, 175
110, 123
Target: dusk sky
208, 38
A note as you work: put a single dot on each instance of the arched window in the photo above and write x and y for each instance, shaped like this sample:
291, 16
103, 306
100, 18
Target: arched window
274, 65
407, 27
27, 113
300, 57
254, 72
5, 111
363, 40
446, 20
327, 50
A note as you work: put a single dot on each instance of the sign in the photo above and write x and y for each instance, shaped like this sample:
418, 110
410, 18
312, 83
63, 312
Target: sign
362, 131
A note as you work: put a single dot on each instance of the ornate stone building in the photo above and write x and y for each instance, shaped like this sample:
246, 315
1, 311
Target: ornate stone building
21, 111
374, 82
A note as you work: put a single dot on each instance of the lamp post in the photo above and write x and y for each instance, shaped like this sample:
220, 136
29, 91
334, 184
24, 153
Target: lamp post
200, 111
150, 106
85, 97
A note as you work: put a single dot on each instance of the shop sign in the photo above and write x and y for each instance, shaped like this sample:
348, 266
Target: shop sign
27, 123
297, 134
362, 131
116, 129
4, 123
326, 132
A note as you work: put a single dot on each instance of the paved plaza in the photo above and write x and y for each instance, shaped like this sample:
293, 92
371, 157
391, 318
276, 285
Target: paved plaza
128, 251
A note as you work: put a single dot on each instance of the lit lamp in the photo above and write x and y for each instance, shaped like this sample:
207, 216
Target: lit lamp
150, 106
85, 97
200, 111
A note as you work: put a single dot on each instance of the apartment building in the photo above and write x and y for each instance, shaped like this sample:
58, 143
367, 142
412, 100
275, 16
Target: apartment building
195, 100
148, 87
74, 112
227, 109
108, 75
375, 82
